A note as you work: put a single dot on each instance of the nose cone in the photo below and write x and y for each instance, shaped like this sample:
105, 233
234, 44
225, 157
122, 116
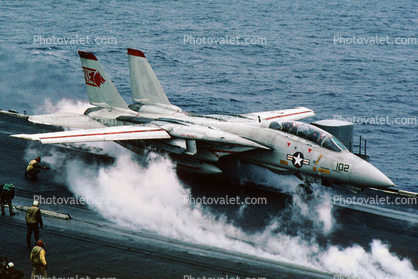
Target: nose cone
365, 174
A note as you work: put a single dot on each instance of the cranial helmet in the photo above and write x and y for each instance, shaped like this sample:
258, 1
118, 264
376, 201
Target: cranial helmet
40, 242
38, 159
35, 203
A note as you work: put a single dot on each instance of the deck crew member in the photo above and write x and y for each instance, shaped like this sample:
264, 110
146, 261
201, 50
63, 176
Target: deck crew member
33, 220
37, 256
6, 196
34, 168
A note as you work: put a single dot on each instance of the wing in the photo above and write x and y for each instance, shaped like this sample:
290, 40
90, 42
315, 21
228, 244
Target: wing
207, 134
129, 132
281, 115
68, 120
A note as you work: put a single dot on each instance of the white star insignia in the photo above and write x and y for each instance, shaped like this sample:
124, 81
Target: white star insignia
298, 160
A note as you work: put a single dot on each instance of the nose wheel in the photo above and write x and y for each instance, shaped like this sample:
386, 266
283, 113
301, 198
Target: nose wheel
305, 189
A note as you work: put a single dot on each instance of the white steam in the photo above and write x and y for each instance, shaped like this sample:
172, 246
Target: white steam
317, 210
149, 198
153, 198
357, 263
63, 105
325, 215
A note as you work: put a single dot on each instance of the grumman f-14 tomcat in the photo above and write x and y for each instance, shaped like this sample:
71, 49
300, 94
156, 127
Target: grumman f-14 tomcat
274, 140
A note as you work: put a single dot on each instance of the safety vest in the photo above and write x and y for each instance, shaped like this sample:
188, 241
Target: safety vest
8, 188
31, 165
31, 215
35, 255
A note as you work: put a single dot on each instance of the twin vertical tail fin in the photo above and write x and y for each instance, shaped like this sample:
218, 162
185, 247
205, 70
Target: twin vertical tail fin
146, 88
144, 83
100, 89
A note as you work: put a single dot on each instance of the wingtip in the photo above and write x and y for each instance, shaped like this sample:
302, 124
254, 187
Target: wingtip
22, 136
136, 52
87, 55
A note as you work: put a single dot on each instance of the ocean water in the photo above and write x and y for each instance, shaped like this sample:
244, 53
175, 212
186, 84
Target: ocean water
311, 54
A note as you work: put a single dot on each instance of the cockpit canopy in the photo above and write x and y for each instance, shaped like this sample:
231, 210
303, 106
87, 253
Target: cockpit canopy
311, 133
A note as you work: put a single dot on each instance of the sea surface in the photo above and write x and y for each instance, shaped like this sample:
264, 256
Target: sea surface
354, 60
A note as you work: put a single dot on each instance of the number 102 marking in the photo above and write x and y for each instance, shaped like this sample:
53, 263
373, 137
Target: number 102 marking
342, 167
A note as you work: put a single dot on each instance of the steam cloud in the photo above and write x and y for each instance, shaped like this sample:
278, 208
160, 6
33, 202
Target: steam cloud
64, 105
152, 198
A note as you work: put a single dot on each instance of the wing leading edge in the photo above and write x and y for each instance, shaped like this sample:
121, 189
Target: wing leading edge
281, 115
119, 133
67, 120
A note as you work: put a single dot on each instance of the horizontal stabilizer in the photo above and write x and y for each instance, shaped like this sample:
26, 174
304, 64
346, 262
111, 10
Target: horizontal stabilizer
118, 133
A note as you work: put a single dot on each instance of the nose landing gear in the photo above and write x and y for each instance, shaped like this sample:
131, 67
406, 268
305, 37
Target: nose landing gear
305, 189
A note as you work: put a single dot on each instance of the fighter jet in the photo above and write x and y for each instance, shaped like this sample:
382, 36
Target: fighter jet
274, 140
